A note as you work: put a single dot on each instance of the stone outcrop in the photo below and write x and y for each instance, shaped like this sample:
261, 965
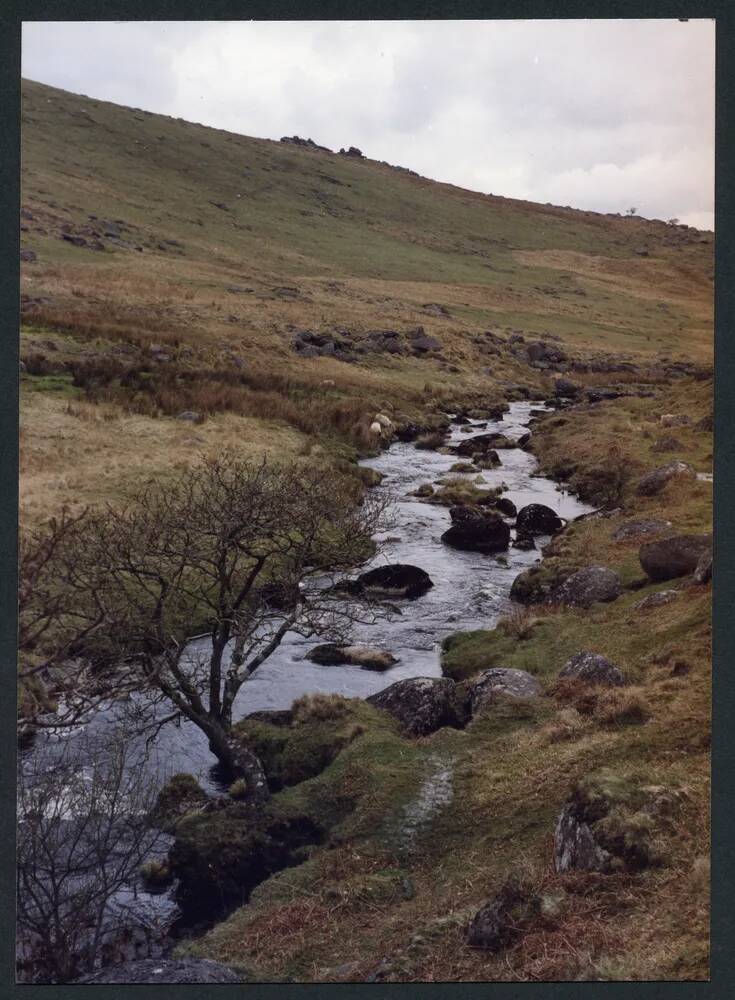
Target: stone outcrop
423, 704
593, 669
668, 558
501, 682
588, 586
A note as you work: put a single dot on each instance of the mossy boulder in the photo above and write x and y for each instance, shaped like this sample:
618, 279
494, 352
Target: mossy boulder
612, 823
535, 585
423, 704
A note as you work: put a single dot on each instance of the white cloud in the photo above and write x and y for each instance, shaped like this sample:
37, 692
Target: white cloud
594, 114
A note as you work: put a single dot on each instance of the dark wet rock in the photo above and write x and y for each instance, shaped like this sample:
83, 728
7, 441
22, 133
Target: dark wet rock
424, 490
655, 481
460, 420
483, 444
395, 580
668, 558
475, 531
500, 921
588, 586
593, 669
656, 600
524, 542
537, 519
636, 529
501, 681
165, 970
523, 440
666, 444
703, 569
423, 704
506, 506
331, 654
564, 387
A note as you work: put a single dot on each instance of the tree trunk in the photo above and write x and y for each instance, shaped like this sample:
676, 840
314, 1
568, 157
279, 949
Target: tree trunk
239, 762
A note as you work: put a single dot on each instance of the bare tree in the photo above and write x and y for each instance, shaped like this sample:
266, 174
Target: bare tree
247, 550
83, 833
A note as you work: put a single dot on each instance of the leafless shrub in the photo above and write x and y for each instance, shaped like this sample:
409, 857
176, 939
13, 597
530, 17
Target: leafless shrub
83, 835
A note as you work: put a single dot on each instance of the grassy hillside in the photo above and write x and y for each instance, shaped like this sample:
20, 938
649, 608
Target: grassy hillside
202, 251
171, 269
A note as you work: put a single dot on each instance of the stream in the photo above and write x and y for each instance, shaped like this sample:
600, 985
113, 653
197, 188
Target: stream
470, 592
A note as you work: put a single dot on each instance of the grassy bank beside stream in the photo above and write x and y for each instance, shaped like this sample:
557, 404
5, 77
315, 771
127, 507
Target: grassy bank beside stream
367, 903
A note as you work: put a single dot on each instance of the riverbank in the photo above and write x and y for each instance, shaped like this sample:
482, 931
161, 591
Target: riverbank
482, 802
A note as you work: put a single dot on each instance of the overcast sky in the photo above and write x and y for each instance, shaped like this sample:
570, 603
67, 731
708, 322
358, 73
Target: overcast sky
602, 115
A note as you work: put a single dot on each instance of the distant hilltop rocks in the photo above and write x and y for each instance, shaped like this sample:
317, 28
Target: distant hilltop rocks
351, 151
296, 140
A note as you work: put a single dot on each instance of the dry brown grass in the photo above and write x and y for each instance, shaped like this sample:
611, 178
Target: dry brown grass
79, 453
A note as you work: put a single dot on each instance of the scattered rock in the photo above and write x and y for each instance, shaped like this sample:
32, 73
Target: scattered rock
655, 481
707, 423
190, 415
656, 600
424, 490
423, 704
28, 256
500, 922
588, 586
330, 654
165, 970
594, 669
537, 519
675, 420
669, 558
475, 531
77, 241
565, 388
505, 681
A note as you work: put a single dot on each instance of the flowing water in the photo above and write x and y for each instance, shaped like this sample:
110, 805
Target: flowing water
470, 591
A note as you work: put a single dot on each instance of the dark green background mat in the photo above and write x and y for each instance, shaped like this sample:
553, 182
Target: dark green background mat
723, 747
